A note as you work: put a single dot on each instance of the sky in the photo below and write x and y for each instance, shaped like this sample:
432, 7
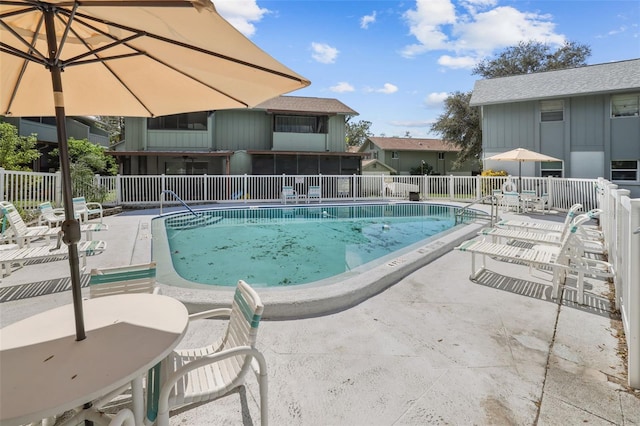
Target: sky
394, 62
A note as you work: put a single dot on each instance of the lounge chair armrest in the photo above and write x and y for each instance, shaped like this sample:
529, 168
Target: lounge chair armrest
212, 313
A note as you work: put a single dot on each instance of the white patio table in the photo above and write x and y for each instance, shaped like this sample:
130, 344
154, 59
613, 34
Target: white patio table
44, 371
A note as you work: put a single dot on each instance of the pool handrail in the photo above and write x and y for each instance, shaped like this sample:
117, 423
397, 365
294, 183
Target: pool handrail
168, 191
494, 208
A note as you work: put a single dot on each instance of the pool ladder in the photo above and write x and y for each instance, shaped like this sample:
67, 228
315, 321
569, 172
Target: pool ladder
464, 211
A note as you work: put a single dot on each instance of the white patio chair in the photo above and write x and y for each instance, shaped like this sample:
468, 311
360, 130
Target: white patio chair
561, 260
86, 209
315, 193
139, 278
50, 216
511, 201
205, 374
288, 193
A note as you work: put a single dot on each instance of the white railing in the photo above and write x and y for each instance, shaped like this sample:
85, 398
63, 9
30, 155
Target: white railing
33, 188
28, 189
620, 218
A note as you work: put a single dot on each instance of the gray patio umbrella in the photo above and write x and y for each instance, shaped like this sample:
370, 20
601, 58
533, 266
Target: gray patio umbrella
521, 155
141, 58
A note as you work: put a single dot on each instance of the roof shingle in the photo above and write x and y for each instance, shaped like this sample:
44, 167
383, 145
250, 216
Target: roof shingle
303, 104
593, 79
413, 144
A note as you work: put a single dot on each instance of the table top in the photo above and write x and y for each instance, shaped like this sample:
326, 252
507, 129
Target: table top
44, 371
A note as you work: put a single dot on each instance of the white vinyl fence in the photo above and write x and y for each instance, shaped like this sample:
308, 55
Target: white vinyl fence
620, 221
28, 189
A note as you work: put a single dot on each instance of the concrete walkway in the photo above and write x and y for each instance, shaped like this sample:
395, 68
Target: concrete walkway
435, 348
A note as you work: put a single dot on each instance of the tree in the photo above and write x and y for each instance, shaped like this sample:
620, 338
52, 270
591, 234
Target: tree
114, 125
460, 124
533, 56
16, 152
84, 154
358, 132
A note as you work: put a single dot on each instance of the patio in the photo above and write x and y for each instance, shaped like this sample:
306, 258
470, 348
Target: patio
434, 348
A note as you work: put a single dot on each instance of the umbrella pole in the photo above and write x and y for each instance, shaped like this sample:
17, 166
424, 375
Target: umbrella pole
519, 176
70, 227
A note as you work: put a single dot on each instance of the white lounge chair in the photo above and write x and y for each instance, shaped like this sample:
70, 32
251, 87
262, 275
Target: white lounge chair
15, 230
586, 243
139, 278
25, 254
288, 193
314, 193
23, 235
86, 209
204, 374
562, 260
537, 226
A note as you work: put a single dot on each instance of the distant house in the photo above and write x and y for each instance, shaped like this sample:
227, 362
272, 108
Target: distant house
285, 135
47, 136
404, 154
588, 116
375, 167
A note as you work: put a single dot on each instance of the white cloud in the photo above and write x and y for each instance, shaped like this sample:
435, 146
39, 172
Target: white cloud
241, 14
475, 30
324, 53
505, 26
426, 23
367, 19
457, 62
342, 87
435, 99
387, 89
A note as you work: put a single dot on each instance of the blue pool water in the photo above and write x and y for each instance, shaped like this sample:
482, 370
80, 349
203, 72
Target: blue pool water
295, 245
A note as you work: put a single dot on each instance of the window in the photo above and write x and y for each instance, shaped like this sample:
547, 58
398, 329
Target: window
624, 170
551, 169
625, 105
44, 120
441, 156
300, 124
551, 110
188, 121
394, 155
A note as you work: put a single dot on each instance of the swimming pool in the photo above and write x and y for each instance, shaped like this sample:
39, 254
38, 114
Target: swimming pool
376, 244
271, 247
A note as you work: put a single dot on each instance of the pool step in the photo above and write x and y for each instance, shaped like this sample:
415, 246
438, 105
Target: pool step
189, 221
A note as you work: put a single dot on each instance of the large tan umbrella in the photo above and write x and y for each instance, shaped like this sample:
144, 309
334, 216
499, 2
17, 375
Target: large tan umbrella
126, 58
521, 155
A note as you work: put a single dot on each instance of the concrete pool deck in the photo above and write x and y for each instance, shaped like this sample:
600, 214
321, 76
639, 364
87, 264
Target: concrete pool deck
435, 348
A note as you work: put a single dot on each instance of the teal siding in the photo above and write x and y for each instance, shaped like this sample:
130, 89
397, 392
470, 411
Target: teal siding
135, 133
242, 130
508, 125
337, 133
586, 123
